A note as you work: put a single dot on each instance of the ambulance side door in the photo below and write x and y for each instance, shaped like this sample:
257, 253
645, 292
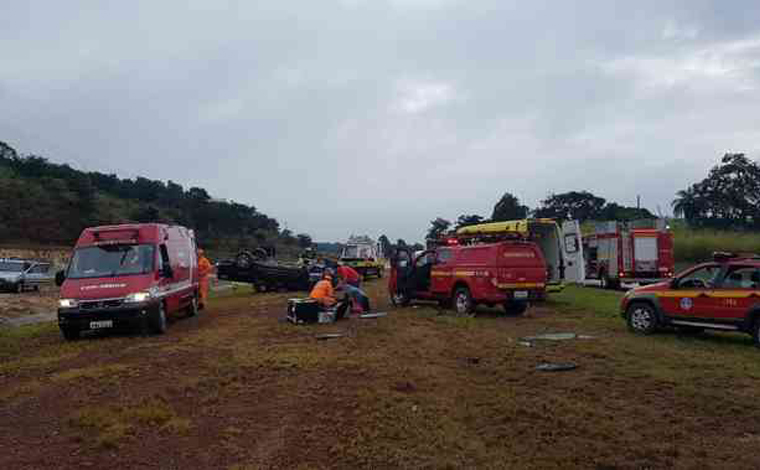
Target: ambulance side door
572, 251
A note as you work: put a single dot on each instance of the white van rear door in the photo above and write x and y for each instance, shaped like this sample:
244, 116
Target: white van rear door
572, 251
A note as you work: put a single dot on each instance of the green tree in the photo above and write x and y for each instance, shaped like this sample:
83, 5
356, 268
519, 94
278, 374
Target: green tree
580, 205
438, 227
509, 208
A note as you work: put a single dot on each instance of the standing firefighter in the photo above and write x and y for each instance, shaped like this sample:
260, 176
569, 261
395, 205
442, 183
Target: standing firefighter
204, 269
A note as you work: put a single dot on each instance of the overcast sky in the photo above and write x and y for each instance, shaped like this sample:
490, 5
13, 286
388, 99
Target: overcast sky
376, 116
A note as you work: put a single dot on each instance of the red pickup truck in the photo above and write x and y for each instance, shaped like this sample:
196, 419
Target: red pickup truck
508, 273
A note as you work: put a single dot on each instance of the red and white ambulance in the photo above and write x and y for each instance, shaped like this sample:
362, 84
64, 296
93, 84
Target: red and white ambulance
128, 275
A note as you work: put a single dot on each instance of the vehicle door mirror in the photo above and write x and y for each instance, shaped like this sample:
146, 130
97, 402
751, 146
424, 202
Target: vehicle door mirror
60, 276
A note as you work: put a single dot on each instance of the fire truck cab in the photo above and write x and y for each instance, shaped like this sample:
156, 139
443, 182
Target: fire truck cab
629, 252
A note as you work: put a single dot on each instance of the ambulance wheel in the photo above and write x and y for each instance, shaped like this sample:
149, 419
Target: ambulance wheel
642, 318
192, 309
605, 281
515, 308
159, 319
463, 303
70, 334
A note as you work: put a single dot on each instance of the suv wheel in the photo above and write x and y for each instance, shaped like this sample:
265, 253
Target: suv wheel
515, 308
642, 318
463, 303
159, 321
756, 332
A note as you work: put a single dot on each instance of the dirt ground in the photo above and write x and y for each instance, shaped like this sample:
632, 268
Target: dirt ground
238, 388
14, 305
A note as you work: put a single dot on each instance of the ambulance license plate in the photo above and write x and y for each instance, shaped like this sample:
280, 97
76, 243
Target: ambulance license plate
521, 294
95, 325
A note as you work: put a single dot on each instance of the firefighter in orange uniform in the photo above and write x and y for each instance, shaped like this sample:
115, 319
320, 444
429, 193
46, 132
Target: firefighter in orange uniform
204, 270
323, 290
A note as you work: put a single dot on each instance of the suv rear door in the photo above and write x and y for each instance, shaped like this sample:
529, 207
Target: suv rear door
737, 293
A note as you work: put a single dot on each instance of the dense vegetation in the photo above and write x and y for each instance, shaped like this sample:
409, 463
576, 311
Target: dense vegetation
47, 203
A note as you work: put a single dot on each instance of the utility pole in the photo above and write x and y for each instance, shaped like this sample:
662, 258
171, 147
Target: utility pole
638, 202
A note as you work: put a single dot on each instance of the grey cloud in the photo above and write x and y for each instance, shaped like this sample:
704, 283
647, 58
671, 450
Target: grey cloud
365, 116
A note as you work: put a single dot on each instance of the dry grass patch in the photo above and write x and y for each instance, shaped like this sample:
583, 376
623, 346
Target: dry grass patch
111, 425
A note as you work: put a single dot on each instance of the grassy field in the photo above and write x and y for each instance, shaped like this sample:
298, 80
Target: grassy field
420, 388
699, 245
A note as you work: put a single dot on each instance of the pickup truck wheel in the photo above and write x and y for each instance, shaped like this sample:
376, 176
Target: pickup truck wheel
69, 333
463, 303
400, 299
159, 320
192, 309
515, 307
642, 318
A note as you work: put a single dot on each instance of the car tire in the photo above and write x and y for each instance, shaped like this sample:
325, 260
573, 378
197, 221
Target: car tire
462, 301
70, 333
515, 308
192, 309
244, 260
642, 318
159, 319
379, 273
19, 287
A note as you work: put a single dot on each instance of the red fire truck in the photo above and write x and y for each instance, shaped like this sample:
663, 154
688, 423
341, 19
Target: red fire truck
629, 252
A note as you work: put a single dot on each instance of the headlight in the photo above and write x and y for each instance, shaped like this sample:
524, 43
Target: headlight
138, 297
68, 303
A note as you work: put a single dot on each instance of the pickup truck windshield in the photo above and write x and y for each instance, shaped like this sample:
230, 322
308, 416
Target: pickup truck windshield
111, 260
11, 267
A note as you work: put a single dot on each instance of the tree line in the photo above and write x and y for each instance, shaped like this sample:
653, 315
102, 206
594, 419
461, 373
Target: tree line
727, 198
45, 202
579, 205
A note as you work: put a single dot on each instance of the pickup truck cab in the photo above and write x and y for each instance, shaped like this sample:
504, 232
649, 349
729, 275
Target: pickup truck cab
18, 275
719, 295
509, 273
128, 275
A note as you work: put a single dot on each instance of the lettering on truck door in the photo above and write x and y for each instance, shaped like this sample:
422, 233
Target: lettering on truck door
572, 251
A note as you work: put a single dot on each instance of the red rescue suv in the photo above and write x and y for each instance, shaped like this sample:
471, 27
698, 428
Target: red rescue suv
128, 275
722, 295
508, 273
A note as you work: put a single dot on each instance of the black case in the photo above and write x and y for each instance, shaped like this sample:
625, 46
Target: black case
303, 310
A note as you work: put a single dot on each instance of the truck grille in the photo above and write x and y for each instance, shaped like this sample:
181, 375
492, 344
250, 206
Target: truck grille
101, 304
